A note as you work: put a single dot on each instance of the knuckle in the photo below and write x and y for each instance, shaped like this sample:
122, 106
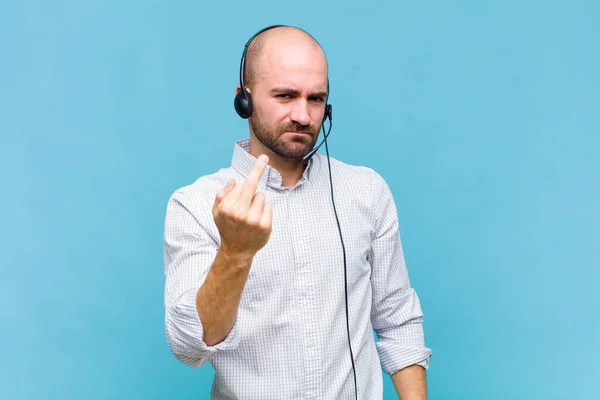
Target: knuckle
224, 209
238, 214
253, 222
230, 212
264, 225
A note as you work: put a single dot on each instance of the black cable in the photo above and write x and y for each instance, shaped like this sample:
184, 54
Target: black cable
344, 250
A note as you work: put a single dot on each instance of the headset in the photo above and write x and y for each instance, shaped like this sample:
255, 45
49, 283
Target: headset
243, 106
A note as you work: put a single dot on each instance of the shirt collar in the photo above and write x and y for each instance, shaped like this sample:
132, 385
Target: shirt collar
243, 162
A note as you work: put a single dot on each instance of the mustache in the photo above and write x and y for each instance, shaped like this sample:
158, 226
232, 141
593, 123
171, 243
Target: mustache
296, 127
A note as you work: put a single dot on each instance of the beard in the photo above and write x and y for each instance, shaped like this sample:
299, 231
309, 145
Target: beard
287, 146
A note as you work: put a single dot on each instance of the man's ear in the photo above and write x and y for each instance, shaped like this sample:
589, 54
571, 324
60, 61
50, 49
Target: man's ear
238, 88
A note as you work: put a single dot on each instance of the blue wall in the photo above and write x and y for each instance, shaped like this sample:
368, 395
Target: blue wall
483, 116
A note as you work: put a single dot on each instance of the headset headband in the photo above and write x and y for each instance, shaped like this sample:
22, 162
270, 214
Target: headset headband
243, 62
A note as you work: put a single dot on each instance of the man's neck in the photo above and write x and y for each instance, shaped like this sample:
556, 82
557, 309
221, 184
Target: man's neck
290, 170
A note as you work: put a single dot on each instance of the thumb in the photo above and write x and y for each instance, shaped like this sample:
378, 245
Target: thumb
223, 191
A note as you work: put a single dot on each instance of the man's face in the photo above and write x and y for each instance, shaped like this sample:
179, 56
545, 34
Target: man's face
288, 98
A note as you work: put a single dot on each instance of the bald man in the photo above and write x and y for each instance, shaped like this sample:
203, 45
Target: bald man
254, 264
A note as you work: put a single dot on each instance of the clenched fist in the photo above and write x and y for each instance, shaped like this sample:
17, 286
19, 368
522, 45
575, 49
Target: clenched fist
242, 216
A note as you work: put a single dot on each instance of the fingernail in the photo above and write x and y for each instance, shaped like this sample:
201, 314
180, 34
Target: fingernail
263, 158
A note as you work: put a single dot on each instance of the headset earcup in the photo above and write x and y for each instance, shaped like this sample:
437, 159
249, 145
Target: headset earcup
243, 104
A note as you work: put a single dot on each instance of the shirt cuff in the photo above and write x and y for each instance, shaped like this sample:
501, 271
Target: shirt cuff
186, 333
425, 363
394, 357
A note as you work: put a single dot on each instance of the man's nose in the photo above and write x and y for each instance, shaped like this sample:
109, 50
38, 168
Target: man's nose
300, 112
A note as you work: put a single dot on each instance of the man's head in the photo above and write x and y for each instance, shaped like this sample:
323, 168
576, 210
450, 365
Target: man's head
286, 75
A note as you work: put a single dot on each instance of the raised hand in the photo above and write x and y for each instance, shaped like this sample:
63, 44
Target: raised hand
242, 216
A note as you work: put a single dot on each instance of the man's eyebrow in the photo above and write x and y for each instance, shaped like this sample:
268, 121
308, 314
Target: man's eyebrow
318, 95
284, 90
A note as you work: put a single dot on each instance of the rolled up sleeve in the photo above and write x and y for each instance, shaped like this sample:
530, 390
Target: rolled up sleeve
396, 312
189, 252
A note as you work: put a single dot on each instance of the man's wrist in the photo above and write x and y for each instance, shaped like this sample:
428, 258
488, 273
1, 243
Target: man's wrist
234, 261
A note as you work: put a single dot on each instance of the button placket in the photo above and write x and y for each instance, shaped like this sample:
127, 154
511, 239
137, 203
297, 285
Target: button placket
299, 223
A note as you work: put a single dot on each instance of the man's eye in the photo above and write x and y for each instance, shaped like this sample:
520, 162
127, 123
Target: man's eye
283, 96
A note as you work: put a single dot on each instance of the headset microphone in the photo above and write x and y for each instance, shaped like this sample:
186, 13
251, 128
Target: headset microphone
325, 135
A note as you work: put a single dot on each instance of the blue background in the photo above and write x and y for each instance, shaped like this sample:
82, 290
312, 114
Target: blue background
483, 116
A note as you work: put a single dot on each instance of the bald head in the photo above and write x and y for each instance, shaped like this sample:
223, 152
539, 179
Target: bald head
275, 43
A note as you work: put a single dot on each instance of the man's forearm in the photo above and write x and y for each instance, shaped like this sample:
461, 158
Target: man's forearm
218, 299
411, 383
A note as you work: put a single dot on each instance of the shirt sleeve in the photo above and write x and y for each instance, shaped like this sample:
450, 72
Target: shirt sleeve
396, 312
189, 252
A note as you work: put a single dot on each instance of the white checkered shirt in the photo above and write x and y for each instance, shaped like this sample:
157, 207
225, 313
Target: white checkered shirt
289, 340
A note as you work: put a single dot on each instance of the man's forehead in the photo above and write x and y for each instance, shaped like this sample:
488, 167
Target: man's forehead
299, 79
